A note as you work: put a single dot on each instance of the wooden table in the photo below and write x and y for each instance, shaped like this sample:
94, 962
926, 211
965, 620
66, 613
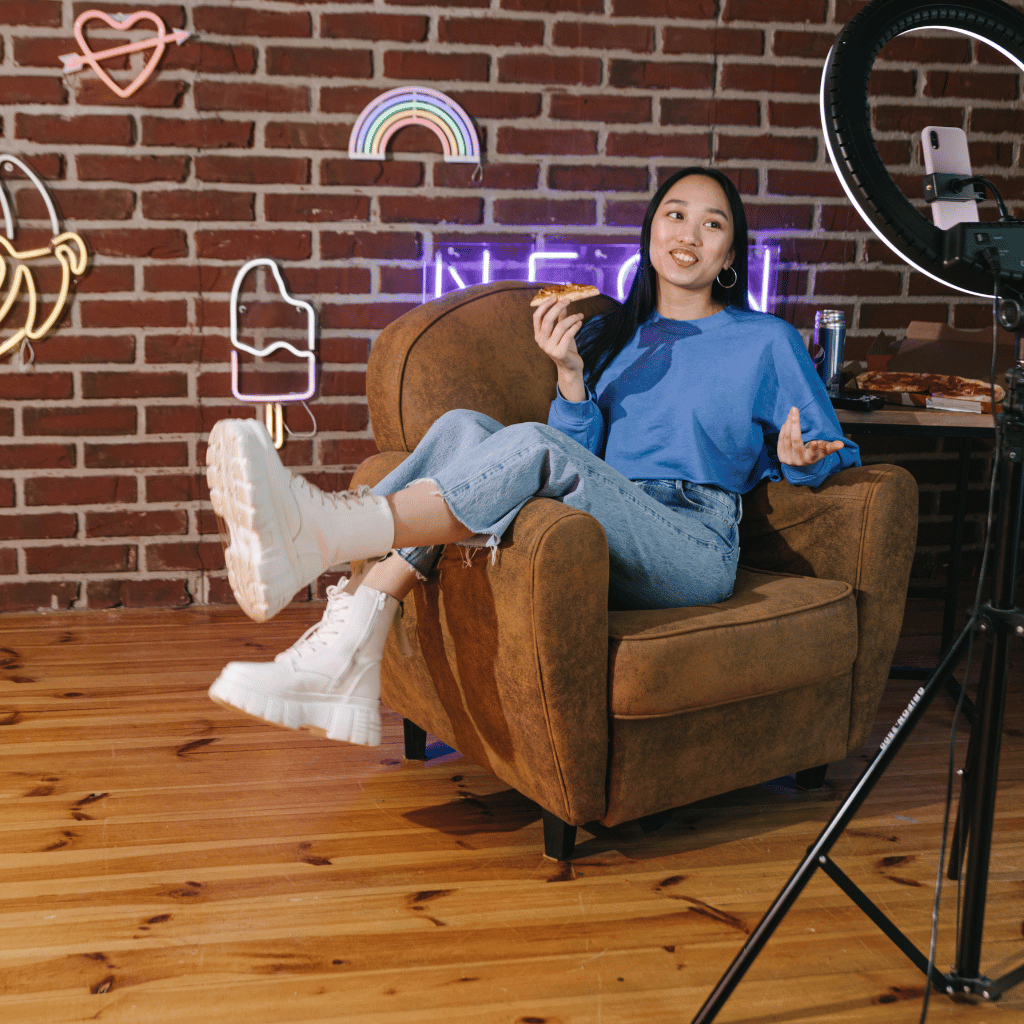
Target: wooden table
913, 421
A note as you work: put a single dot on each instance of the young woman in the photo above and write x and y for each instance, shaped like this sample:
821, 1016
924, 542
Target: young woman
667, 410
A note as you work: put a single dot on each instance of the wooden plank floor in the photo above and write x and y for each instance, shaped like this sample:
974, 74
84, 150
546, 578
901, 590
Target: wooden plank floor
166, 860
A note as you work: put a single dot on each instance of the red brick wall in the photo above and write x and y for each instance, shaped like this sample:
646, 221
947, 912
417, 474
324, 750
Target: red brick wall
238, 148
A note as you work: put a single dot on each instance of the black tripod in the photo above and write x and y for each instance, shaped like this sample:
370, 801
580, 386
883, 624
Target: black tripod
995, 622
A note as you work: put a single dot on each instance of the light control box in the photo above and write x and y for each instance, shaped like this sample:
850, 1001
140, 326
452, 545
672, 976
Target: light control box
964, 243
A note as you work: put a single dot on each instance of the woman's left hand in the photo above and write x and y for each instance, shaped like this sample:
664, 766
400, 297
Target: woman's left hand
794, 451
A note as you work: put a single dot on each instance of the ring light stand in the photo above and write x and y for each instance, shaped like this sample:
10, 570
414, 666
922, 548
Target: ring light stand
845, 119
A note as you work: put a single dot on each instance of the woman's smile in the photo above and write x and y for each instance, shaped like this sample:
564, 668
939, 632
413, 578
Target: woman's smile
684, 257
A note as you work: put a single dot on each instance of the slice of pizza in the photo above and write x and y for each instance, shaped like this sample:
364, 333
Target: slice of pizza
894, 382
952, 386
574, 291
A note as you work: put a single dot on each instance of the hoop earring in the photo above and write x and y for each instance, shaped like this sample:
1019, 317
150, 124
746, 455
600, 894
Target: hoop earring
732, 283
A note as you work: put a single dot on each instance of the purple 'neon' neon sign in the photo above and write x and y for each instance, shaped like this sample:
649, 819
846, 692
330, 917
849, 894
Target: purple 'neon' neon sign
609, 267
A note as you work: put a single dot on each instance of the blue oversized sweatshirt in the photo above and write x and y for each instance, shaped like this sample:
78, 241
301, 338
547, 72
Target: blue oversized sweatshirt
704, 400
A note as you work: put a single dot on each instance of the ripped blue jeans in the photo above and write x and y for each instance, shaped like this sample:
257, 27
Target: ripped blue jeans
671, 543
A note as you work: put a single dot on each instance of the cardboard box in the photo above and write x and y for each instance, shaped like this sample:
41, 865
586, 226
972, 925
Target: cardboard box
936, 348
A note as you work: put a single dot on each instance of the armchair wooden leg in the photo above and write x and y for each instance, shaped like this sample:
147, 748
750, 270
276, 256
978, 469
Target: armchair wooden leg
811, 778
415, 741
559, 838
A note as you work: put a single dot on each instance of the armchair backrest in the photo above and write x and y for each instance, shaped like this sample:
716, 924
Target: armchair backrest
472, 349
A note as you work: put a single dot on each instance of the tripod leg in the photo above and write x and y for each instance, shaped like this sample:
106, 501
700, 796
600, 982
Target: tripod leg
981, 808
817, 853
992, 687
958, 843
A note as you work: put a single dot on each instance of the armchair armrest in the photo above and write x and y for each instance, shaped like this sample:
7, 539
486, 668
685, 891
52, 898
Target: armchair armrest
509, 657
860, 526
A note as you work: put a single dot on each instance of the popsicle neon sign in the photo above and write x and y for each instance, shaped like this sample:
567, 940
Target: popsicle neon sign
609, 267
273, 413
308, 353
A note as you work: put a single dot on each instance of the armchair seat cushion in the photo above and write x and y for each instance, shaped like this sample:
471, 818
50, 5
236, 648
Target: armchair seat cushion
777, 632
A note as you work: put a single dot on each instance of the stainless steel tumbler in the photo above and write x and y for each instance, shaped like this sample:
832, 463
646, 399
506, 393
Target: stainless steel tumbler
829, 340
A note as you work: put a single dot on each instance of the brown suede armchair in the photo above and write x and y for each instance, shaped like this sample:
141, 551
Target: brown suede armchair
518, 664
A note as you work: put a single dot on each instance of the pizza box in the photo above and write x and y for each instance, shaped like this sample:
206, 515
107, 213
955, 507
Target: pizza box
936, 348
947, 403
938, 402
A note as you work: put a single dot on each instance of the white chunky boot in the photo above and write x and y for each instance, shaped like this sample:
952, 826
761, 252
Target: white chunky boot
328, 681
283, 531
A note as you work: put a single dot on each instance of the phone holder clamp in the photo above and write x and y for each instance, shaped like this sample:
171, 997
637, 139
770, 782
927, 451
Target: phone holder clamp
950, 188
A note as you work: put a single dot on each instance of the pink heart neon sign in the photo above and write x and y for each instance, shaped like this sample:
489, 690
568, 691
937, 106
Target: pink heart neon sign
121, 23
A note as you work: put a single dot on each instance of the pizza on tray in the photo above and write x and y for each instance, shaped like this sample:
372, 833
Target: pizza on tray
574, 291
937, 385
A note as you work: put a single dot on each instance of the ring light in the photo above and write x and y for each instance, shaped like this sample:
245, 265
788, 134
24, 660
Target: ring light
846, 121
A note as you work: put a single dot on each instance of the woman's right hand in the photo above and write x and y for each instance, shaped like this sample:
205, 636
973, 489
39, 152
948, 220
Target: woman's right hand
555, 333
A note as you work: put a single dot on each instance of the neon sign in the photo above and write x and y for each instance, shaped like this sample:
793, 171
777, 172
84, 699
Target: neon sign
265, 347
610, 267
69, 249
121, 23
397, 108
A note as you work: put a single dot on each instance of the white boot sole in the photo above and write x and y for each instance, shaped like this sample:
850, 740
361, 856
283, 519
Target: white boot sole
261, 573
348, 719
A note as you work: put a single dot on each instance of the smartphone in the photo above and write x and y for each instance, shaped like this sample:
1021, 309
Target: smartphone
945, 152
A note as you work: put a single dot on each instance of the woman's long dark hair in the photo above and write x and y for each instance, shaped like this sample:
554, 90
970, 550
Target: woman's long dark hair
602, 338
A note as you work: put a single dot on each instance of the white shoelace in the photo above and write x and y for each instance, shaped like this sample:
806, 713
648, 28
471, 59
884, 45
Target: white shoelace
317, 637
356, 497
346, 498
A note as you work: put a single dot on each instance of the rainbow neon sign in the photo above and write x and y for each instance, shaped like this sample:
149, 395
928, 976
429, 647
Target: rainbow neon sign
398, 108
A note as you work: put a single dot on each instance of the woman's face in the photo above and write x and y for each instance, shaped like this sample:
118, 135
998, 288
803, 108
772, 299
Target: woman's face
691, 238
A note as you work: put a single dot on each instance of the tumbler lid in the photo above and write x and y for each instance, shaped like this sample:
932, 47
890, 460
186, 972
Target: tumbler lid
829, 318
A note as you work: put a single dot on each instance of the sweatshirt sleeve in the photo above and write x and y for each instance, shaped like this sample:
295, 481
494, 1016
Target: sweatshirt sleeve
800, 385
582, 421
